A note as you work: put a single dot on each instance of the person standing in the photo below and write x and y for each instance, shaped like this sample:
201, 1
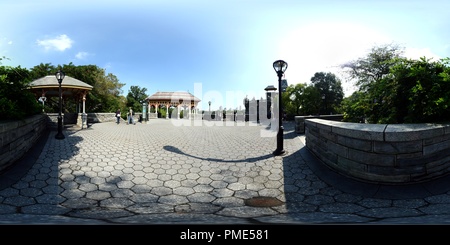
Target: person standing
118, 116
130, 117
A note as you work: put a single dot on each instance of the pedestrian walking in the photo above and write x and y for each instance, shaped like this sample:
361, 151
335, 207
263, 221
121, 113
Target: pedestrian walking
118, 116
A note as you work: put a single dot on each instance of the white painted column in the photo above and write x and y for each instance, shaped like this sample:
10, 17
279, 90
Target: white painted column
167, 111
84, 115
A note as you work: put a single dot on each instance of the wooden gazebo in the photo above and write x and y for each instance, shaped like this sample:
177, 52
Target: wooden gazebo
173, 99
48, 86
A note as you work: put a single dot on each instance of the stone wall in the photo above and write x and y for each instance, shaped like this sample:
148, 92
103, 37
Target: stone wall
17, 137
101, 117
300, 121
76, 118
381, 153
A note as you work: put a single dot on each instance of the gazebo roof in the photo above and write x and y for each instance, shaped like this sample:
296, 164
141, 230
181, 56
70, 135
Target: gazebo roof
50, 84
51, 81
173, 96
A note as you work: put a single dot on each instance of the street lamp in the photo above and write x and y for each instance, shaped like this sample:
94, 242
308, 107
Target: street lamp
269, 90
280, 67
324, 104
247, 109
144, 111
209, 103
60, 76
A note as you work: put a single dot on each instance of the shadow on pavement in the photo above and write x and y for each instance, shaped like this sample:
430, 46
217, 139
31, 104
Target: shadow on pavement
252, 159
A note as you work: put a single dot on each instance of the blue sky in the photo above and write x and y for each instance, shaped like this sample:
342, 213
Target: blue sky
219, 50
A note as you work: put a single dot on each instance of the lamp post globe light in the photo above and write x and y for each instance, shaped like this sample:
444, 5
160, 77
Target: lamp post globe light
60, 76
280, 67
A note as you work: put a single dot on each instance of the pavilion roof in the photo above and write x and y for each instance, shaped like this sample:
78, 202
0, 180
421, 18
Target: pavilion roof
49, 85
51, 82
173, 96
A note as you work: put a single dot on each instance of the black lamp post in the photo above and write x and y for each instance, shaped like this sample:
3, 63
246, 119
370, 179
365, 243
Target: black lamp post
280, 67
269, 92
324, 104
247, 109
60, 76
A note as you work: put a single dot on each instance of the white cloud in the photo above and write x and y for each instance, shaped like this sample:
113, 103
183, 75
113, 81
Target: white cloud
416, 53
60, 43
82, 55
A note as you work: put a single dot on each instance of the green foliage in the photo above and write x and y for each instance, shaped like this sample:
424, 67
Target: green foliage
311, 101
372, 68
394, 89
355, 107
293, 99
162, 111
105, 95
136, 96
330, 90
322, 96
424, 89
16, 101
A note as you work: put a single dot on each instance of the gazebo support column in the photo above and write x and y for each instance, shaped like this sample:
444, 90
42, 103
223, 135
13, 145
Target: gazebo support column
167, 111
84, 116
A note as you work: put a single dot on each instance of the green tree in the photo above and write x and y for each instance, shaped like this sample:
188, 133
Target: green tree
421, 90
42, 70
368, 70
370, 73
311, 100
355, 107
395, 89
135, 97
330, 89
16, 101
105, 95
293, 99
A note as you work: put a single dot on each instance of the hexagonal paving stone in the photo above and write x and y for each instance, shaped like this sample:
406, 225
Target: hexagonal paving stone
172, 184
73, 193
98, 195
150, 208
201, 198
184, 191
119, 202
144, 198
161, 191
222, 192
173, 199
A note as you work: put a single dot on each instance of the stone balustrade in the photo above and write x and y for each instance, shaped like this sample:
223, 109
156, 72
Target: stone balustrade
381, 153
18, 136
300, 121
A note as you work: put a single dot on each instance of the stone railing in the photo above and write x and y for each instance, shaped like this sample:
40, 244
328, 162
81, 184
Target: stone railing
381, 153
17, 137
300, 121
76, 118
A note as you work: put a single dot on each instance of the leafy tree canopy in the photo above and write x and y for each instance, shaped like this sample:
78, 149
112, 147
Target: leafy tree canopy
394, 89
136, 96
17, 101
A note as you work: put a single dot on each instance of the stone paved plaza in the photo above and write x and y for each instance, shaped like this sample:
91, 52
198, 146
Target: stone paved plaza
194, 172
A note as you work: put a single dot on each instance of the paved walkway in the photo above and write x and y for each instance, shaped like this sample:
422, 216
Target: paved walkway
161, 173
